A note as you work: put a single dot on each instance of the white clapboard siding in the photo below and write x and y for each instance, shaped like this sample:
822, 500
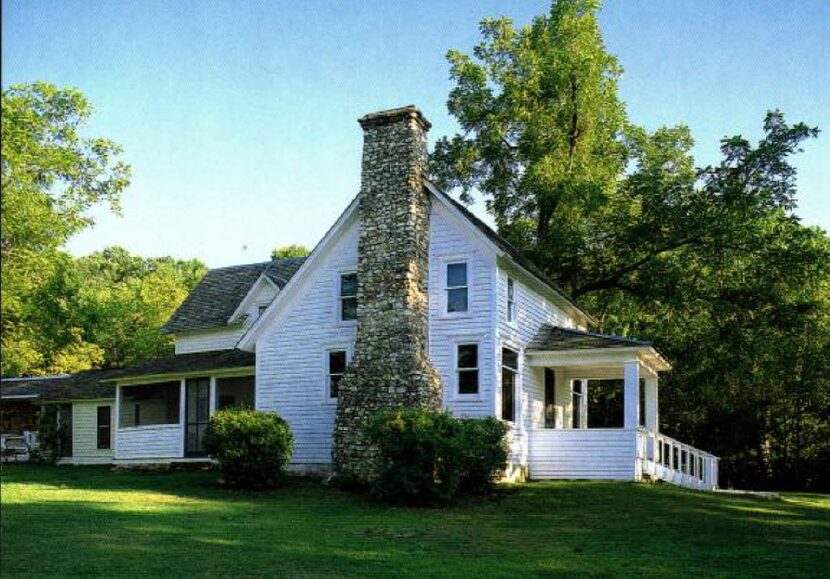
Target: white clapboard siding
532, 312
291, 356
85, 432
450, 241
208, 340
583, 454
157, 441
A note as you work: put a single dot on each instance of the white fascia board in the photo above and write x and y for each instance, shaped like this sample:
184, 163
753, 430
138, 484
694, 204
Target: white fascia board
249, 297
248, 341
599, 357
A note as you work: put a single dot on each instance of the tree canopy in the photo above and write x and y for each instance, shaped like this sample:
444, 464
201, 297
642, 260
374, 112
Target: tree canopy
59, 313
711, 263
292, 250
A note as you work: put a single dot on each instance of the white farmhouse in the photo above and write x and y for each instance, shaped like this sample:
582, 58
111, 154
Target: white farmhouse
406, 283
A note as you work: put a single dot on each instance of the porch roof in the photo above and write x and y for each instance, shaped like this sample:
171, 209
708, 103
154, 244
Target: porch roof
81, 386
557, 346
558, 338
189, 363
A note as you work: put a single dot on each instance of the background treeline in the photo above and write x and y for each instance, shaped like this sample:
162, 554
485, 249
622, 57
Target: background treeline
710, 263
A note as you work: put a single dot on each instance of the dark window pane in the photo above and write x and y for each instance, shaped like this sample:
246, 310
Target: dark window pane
337, 362
236, 392
468, 382
510, 289
550, 398
468, 356
104, 427
334, 385
508, 387
348, 285
456, 274
510, 358
348, 309
457, 300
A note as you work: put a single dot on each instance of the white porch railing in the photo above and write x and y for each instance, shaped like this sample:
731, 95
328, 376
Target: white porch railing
619, 454
664, 458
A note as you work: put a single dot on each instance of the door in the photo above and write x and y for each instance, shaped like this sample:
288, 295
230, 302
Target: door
197, 414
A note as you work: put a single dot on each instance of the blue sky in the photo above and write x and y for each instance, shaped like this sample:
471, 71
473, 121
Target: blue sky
239, 117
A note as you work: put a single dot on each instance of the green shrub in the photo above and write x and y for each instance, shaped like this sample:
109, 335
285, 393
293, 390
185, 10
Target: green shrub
253, 448
431, 457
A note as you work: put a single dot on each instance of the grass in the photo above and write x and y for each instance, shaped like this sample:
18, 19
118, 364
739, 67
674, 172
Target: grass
90, 521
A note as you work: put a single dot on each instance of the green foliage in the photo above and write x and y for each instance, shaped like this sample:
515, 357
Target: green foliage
49, 437
431, 457
292, 250
253, 448
711, 264
51, 176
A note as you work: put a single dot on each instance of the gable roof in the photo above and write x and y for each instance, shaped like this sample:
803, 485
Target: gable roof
506, 247
214, 299
83, 385
551, 338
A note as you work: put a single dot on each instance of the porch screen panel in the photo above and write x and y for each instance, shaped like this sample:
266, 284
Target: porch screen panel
235, 392
149, 404
550, 398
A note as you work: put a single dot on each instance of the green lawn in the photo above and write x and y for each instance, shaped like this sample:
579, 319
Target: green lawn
91, 521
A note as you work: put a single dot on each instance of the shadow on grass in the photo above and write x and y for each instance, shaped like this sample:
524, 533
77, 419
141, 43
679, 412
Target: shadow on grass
92, 521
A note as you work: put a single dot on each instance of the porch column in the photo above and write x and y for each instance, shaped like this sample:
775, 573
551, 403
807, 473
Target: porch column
652, 417
632, 395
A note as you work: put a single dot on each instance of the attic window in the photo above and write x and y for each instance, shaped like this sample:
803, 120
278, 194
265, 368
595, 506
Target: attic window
348, 297
261, 310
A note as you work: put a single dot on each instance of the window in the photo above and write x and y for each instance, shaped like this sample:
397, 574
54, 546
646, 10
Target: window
104, 427
336, 369
457, 287
509, 371
149, 404
261, 310
348, 297
511, 300
577, 394
467, 368
236, 392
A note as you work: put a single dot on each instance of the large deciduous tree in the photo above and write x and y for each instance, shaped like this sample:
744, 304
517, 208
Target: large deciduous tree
712, 264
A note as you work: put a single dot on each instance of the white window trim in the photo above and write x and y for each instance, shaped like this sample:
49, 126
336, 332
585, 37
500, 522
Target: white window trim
517, 393
466, 341
338, 300
450, 260
342, 347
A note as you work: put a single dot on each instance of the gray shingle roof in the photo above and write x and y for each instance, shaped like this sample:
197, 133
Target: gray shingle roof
83, 385
194, 362
555, 338
216, 297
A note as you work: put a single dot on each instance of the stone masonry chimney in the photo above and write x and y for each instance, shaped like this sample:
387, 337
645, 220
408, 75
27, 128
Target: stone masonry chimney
390, 368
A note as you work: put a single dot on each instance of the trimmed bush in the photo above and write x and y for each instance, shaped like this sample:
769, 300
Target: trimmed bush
253, 448
429, 457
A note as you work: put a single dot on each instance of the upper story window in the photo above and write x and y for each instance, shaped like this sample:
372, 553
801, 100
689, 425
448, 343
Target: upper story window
457, 289
335, 371
348, 297
511, 300
261, 310
466, 368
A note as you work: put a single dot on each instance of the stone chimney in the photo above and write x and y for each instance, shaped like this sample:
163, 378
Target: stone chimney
390, 367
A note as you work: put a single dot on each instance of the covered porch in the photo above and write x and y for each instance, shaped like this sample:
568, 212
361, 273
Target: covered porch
600, 413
